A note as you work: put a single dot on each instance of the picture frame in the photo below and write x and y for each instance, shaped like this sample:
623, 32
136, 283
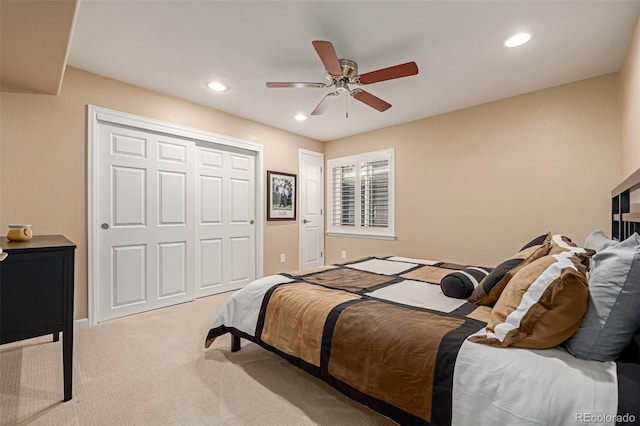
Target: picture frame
281, 196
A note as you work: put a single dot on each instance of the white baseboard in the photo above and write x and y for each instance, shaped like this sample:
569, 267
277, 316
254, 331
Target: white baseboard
81, 323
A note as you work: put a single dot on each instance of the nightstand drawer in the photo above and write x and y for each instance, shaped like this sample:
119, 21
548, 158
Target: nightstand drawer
31, 295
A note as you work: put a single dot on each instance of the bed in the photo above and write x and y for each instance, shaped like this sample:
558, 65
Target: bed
546, 340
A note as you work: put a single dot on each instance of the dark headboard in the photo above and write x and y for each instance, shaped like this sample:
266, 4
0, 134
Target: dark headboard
625, 216
625, 220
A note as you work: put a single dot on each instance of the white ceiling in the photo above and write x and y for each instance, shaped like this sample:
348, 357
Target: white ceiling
176, 47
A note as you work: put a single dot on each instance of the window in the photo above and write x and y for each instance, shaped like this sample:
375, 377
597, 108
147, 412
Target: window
360, 195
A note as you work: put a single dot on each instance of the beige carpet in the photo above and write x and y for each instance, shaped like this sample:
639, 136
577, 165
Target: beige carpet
152, 369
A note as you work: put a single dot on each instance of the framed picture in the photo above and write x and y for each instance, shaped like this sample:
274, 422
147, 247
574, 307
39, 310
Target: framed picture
281, 196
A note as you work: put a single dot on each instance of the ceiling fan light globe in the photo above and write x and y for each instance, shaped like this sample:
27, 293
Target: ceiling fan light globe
342, 86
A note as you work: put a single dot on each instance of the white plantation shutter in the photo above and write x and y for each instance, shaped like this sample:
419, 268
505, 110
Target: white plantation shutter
343, 202
360, 195
374, 194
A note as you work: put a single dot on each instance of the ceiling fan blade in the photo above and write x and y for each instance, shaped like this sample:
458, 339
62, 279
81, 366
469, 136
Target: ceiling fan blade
371, 100
324, 103
397, 71
328, 56
275, 84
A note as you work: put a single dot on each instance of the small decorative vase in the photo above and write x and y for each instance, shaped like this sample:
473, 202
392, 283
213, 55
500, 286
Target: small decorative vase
19, 233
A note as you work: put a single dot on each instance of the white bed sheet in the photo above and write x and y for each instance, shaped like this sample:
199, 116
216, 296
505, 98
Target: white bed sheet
513, 386
243, 308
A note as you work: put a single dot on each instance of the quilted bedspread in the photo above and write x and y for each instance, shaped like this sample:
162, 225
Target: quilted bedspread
378, 329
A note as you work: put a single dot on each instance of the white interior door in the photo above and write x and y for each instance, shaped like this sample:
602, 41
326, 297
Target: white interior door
146, 254
226, 220
311, 196
172, 216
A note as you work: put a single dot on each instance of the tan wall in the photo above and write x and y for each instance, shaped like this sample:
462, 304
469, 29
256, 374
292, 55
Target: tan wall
630, 106
43, 159
474, 185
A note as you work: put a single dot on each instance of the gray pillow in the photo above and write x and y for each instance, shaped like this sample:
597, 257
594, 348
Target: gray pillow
613, 314
597, 240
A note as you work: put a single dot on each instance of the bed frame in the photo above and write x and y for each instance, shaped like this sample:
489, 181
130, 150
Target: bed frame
625, 216
625, 220
235, 342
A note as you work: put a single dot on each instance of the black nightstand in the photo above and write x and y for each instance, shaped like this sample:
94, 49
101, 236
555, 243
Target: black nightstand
36, 294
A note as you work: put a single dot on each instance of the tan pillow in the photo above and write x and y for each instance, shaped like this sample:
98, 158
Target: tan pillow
490, 288
542, 306
561, 243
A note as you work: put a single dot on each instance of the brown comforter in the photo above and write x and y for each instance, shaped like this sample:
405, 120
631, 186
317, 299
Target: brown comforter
397, 359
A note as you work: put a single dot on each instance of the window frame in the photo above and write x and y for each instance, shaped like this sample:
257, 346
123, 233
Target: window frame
358, 230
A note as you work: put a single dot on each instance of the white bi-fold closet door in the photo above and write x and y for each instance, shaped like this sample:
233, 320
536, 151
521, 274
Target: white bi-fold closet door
175, 218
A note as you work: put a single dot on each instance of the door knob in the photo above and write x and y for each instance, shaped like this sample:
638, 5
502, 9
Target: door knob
306, 221
251, 222
104, 226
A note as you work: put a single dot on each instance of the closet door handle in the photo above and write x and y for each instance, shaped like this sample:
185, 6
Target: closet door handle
104, 226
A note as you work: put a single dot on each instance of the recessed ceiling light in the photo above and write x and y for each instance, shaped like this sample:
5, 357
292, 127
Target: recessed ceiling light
517, 40
217, 86
300, 117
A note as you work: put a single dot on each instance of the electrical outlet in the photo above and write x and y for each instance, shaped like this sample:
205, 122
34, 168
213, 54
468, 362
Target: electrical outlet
283, 258
344, 254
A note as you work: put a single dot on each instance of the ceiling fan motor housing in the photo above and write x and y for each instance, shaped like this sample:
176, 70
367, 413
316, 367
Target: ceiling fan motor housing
349, 72
349, 68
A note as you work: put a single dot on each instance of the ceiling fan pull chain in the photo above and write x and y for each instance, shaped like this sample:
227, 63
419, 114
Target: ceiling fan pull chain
346, 100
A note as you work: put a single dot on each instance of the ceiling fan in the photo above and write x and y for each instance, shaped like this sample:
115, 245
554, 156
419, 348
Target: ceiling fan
342, 72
